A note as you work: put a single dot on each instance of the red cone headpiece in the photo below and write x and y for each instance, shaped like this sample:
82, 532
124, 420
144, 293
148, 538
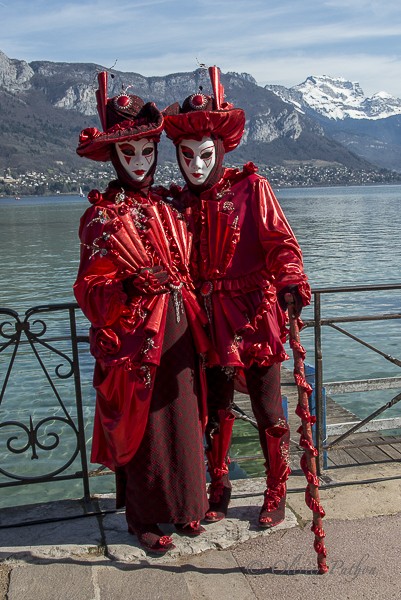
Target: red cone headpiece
202, 115
124, 117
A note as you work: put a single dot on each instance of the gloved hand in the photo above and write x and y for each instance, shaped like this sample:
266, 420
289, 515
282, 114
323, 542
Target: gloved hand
290, 294
150, 280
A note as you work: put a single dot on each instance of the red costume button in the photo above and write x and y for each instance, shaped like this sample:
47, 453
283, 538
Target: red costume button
123, 101
206, 289
197, 100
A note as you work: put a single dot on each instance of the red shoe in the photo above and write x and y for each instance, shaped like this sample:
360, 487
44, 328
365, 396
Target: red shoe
193, 528
272, 513
219, 499
151, 538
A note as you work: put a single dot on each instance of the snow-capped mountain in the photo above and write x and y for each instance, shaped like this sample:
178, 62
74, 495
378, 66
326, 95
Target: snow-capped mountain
337, 98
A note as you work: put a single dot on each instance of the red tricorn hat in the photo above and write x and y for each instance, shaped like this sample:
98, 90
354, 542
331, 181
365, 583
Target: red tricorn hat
124, 117
202, 115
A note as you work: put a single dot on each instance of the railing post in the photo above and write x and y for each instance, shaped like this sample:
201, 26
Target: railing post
318, 381
78, 399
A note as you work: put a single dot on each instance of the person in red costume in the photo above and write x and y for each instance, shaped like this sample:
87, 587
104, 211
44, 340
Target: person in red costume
245, 261
147, 329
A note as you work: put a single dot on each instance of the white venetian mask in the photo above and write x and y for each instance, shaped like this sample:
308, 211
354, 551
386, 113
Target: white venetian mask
197, 159
137, 157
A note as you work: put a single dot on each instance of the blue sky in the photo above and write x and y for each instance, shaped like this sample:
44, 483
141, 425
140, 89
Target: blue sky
278, 42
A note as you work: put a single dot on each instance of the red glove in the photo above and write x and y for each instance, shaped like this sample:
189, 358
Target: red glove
150, 280
288, 295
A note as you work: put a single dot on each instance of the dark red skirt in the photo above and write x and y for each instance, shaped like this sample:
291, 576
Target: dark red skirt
165, 482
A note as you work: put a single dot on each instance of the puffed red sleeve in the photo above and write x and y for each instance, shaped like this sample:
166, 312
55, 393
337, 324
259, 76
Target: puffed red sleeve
282, 251
98, 288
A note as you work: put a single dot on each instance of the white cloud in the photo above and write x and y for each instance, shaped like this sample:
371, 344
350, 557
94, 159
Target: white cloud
283, 41
297, 69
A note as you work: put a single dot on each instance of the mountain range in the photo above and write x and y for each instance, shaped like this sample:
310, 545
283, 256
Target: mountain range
322, 121
368, 126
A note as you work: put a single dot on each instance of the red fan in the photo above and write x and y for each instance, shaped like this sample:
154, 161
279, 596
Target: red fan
178, 233
121, 239
135, 246
220, 234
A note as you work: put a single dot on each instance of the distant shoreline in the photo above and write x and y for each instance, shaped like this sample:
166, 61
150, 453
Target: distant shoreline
275, 187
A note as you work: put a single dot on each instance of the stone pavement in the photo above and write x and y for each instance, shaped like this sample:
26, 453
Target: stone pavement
94, 558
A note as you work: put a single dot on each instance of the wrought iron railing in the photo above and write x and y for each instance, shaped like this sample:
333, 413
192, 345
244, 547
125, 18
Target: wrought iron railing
52, 346
41, 430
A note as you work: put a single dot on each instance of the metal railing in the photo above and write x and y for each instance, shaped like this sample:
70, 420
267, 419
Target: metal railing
36, 435
369, 423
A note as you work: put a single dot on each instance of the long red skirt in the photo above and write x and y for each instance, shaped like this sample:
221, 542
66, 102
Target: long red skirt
165, 482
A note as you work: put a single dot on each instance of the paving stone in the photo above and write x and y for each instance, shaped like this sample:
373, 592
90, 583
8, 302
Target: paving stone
18, 515
4, 579
214, 571
150, 583
77, 537
52, 582
363, 559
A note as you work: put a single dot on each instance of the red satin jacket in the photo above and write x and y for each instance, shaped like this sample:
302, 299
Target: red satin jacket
244, 254
121, 234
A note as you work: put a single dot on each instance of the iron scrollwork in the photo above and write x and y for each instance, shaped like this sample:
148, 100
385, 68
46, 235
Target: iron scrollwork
40, 435
33, 442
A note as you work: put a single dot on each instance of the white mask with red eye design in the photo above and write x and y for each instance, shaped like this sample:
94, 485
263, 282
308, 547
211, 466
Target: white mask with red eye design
137, 157
197, 159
